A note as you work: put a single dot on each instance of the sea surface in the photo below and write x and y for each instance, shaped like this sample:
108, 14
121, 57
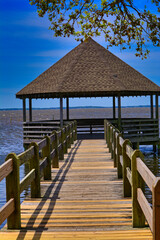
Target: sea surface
11, 136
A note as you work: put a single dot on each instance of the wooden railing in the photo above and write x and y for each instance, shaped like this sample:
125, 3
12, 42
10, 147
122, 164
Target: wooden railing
141, 130
52, 148
135, 174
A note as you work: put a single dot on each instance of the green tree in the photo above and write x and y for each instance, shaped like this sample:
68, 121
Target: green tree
120, 21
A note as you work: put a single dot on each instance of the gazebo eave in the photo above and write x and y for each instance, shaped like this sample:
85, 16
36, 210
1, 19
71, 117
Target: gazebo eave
88, 94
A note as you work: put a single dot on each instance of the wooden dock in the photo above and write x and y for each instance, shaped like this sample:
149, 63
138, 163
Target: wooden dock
84, 200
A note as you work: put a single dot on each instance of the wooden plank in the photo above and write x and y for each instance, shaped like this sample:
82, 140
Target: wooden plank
6, 168
146, 174
129, 151
142, 129
42, 143
7, 210
53, 153
121, 160
52, 137
59, 146
121, 141
27, 180
37, 132
147, 210
43, 164
40, 127
156, 209
129, 175
80, 235
26, 155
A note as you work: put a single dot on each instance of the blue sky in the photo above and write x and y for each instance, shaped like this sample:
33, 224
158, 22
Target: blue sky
27, 48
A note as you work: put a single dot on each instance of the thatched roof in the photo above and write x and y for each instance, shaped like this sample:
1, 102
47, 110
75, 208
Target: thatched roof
89, 70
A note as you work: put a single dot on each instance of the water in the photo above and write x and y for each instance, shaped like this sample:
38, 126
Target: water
11, 138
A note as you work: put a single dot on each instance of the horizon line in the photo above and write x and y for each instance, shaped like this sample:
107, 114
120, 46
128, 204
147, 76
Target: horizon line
78, 107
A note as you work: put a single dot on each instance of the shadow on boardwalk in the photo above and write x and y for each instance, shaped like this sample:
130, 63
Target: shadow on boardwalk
29, 226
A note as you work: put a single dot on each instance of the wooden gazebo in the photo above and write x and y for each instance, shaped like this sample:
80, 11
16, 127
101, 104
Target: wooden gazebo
89, 70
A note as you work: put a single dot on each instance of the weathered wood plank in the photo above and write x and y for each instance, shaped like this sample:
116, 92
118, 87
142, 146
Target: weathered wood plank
42, 143
5, 169
146, 174
145, 207
43, 164
27, 180
26, 155
129, 151
129, 175
7, 210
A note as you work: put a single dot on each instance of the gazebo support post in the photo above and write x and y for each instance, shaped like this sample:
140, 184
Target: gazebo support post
157, 117
157, 110
61, 112
119, 112
30, 109
114, 108
24, 110
151, 101
67, 107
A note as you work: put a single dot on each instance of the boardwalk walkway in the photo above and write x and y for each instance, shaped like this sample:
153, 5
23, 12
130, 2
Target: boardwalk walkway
83, 201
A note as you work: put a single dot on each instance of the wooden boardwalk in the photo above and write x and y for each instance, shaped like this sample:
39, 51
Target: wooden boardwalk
83, 201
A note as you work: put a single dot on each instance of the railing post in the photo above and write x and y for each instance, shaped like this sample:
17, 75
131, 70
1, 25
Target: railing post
126, 163
119, 153
75, 129
114, 149
69, 134
65, 139
156, 209
105, 131
55, 161
34, 164
109, 139
138, 218
67, 128
72, 139
61, 152
13, 191
46, 153
108, 134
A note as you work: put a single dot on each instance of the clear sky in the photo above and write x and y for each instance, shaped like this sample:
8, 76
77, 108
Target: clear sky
27, 48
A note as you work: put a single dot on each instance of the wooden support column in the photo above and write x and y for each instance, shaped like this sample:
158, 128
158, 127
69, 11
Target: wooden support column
114, 108
157, 107
67, 107
30, 109
119, 112
24, 110
151, 103
61, 112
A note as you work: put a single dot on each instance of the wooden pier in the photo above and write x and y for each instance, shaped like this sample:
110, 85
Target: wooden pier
84, 200
86, 197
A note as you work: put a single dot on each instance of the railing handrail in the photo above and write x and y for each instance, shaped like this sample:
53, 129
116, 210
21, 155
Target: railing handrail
53, 148
130, 165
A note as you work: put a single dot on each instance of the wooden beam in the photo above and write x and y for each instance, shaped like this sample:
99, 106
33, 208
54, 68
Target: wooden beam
151, 103
119, 112
30, 109
61, 112
114, 108
24, 110
157, 109
67, 107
